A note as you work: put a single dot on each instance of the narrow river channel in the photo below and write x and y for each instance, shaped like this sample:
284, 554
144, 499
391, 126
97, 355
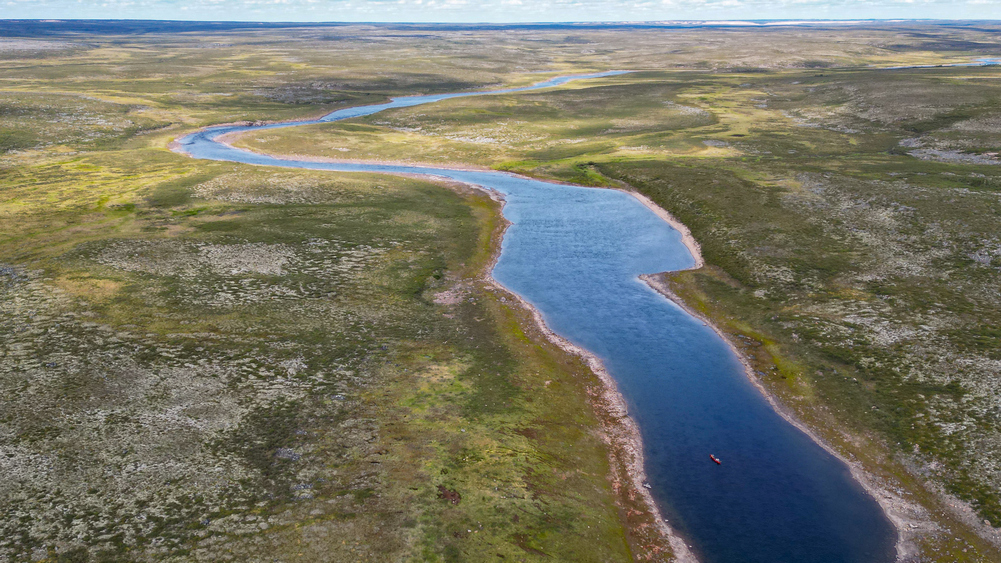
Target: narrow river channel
576, 253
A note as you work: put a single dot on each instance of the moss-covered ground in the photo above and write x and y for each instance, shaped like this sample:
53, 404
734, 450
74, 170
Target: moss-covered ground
847, 214
205, 361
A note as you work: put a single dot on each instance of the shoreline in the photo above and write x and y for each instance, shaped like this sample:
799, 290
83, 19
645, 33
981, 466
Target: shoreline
619, 430
909, 519
686, 235
228, 139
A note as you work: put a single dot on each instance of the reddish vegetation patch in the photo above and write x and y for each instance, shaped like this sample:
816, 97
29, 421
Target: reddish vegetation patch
530, 433
450, 495
521, 540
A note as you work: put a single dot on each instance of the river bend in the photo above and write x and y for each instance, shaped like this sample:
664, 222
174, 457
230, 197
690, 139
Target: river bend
576, 253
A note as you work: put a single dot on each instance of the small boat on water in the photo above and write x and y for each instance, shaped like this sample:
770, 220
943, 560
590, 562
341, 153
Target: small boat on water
716, 459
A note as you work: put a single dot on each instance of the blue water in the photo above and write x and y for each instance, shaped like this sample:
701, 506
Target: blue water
978, 62
575, 253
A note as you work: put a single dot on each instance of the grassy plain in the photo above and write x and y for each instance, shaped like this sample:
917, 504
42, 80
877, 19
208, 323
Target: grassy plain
209, 361
205, 361
847, 215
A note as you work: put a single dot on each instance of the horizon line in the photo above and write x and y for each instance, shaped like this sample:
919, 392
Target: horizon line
747, 22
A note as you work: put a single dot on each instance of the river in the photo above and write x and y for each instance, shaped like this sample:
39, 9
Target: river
575, 253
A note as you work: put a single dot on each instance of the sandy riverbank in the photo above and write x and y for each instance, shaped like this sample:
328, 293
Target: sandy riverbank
910, 519
686, 235
620, 431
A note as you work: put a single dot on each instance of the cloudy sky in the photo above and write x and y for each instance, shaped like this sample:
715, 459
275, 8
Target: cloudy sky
499, 10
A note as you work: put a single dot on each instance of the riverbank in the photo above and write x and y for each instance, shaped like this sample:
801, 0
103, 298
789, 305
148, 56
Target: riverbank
229, 139
687, 239
654, 331
855, 277
651, 534
910, 519
620, 431
792, 334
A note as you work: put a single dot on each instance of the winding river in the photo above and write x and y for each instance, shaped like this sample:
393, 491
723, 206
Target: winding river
576, 253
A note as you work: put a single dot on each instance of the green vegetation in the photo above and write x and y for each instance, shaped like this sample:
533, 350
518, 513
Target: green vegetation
849, 231
239, 359
205, 361
210, 361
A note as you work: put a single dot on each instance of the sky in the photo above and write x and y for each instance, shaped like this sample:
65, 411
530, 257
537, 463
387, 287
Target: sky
498, 10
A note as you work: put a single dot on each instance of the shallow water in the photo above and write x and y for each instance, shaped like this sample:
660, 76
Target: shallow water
575, 253
978, 62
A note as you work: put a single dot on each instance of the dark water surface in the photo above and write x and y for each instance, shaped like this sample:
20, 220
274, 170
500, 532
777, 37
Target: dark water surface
575, 253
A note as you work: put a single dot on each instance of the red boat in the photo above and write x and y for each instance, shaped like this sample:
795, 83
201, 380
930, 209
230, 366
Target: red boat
714, 458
